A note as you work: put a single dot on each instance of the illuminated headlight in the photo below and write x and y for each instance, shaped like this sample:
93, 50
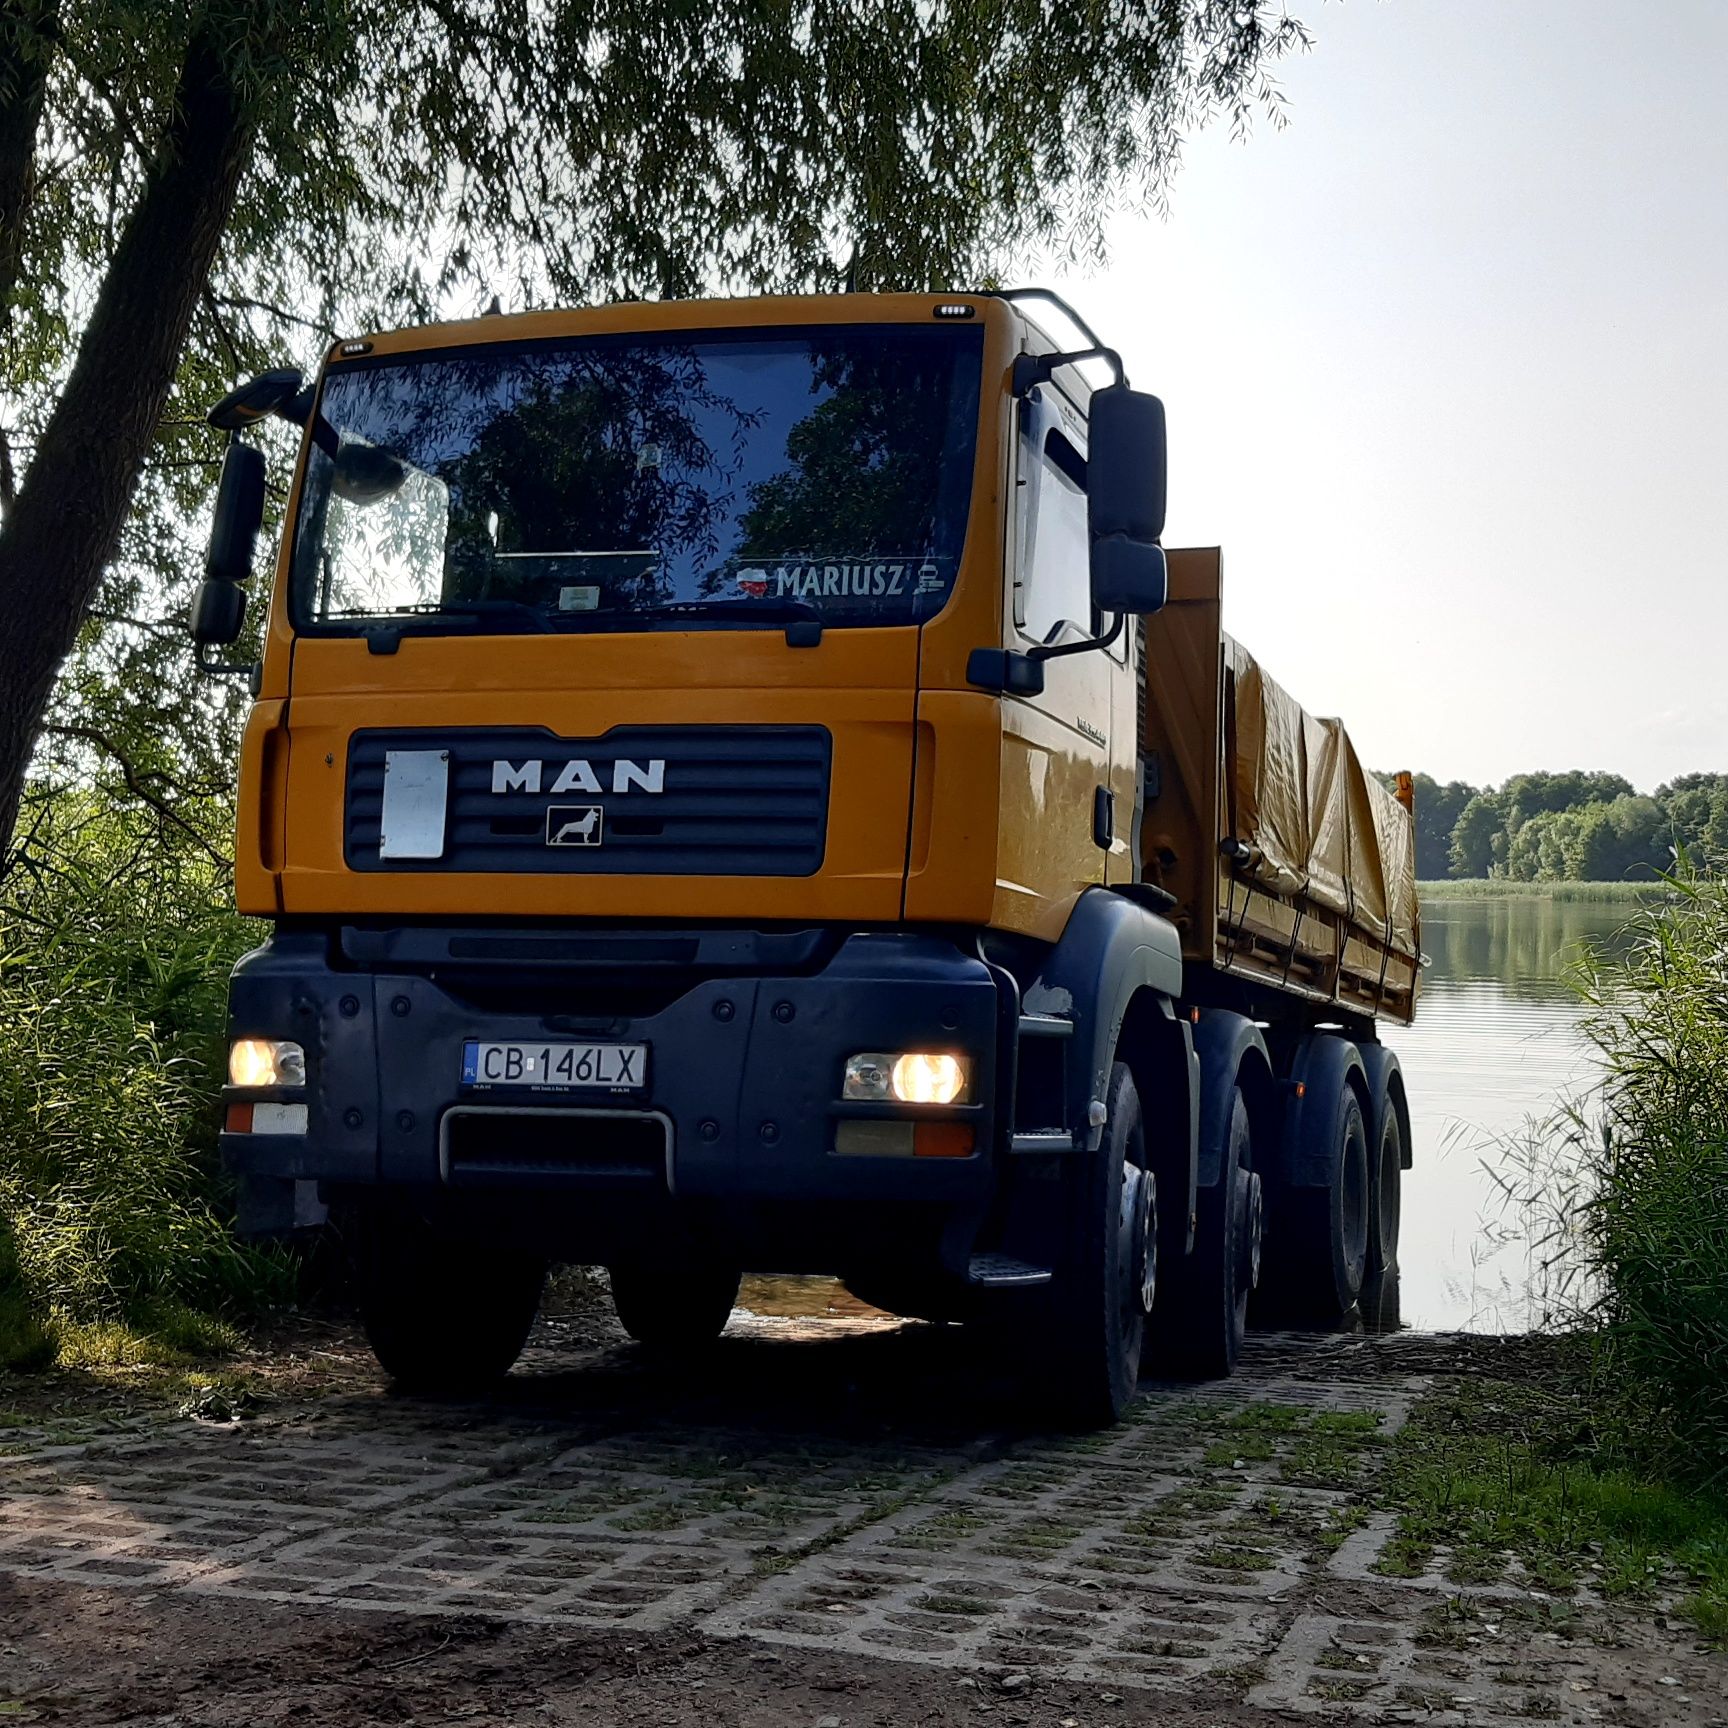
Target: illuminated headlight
914, 1077
266, 1062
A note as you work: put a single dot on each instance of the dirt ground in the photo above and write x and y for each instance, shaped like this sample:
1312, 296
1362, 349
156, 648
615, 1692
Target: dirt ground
833, 1523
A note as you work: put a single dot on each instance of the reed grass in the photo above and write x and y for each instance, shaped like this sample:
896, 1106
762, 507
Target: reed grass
1496, 888
115, 944
1625, 1193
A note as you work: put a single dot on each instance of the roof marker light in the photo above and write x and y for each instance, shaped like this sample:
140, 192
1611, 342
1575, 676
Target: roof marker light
954, 310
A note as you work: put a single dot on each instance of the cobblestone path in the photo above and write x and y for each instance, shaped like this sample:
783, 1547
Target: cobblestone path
826, 1485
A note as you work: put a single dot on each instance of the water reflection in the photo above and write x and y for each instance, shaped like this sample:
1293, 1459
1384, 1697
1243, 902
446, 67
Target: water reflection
1496, 1046
1524, 946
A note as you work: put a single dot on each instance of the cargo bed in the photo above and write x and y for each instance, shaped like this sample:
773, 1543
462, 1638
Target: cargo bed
1293, 869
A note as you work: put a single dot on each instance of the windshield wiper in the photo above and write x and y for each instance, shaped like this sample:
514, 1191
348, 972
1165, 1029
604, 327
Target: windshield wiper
500, 609
401, 617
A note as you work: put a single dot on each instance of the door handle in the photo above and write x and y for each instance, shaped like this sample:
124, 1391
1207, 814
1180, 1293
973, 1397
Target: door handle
1103, 818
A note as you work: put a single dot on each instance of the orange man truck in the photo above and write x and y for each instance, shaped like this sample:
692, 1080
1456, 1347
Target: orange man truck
740, 785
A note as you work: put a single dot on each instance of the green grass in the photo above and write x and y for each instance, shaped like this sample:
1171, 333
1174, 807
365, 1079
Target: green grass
26, 1344
1268, 1419
1478, 888
164, 1335
1499, 1470
1249, 1448
1322, 1447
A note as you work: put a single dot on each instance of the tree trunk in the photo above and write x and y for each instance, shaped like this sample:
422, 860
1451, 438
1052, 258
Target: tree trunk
27, 32
63, 528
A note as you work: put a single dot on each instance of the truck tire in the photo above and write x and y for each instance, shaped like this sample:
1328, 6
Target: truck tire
1321, 1235
443, 1317
1388, 1152
671, 1311
1386, 1200
1205, 1307
1089, 1335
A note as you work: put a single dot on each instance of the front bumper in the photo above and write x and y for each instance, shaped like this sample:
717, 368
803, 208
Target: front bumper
744, 1070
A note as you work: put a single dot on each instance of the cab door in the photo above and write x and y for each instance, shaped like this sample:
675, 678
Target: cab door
1058, 818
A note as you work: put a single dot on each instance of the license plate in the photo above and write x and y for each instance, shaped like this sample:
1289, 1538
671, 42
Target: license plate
556, 1067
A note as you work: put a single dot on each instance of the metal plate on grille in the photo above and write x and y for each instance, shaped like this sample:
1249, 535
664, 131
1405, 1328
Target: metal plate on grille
415, 798
637, 801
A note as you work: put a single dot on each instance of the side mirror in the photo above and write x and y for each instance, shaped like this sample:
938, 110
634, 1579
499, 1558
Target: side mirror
269, 393
220, 608
218, 613
239, 515
1127, 468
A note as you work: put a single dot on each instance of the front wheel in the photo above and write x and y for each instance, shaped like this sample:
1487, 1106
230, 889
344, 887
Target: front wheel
443, 1317
1092, 1326
672, 1310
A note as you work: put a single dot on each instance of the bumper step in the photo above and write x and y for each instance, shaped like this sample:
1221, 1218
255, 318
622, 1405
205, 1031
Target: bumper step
1004, 1272
1045, 1026
1042, 1140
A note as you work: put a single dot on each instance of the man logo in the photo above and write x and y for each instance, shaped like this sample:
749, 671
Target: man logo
573, 825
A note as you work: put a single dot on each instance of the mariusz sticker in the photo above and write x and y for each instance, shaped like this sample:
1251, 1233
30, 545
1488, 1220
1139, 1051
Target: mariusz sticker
854, 581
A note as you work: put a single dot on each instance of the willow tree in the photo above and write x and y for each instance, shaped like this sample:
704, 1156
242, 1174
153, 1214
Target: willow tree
190, 186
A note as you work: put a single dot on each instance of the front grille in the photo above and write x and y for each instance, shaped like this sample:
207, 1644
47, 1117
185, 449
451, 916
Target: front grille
687, 801
596, 1149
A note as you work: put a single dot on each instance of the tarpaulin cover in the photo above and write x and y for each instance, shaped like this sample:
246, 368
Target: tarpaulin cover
1318, 827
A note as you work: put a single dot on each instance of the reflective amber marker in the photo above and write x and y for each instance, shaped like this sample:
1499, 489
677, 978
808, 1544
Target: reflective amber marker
943, 1140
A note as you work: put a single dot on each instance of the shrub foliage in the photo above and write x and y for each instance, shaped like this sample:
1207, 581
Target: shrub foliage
115, 942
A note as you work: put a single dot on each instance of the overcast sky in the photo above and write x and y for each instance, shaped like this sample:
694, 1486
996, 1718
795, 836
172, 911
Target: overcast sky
1446, 365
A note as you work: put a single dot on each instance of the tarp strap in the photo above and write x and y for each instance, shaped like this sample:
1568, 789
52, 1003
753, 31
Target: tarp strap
1229, 908
1385, 961
1296, 929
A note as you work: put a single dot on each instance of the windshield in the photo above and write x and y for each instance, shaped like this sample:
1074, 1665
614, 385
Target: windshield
624, 482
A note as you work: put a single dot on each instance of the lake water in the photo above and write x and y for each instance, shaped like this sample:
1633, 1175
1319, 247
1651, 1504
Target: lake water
1495, 1049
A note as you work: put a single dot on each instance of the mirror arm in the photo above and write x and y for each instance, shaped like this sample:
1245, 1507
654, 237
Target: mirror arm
1031, 370
1055, 650
211, 668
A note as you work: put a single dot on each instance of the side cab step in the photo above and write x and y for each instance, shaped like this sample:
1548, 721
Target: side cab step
1004, 1272
1042, 1140
1045, 1026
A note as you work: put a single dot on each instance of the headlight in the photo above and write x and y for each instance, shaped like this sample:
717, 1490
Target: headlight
266, 1062
914, 1077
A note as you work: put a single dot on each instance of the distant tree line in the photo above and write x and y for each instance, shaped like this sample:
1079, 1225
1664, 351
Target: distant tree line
1576, 827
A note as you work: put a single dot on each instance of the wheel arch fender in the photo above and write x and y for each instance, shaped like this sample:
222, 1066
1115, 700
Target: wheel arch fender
1323, 1065
1111, 951
1232, 1053
1386, 1090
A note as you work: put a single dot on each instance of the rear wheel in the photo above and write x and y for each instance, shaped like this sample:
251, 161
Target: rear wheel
1321, 1234
442, 1316
1205, 1310
672, 1310
1386, 1205
1093, 1321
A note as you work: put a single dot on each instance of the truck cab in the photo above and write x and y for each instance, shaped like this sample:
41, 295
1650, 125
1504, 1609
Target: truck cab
694, 780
